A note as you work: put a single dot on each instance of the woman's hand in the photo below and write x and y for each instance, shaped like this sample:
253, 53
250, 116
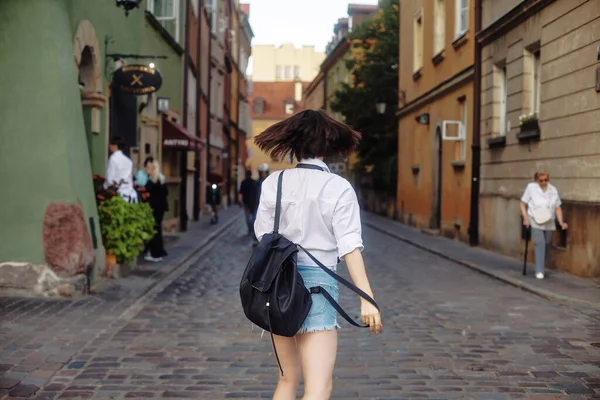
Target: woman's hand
370, 316
526, 222
564, 225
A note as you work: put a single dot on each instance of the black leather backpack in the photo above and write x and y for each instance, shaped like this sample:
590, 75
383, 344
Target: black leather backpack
272, 291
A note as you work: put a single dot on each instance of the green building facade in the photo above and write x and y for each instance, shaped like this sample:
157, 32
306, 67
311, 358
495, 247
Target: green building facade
54, 108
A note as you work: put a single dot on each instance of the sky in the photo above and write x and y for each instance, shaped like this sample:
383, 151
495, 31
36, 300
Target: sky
301, 22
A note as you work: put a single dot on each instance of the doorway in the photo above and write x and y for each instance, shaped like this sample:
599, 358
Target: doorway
436, 214
86, 81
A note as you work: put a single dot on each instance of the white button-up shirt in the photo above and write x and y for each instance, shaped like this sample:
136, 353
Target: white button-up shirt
536, 198
319, 210
120, 171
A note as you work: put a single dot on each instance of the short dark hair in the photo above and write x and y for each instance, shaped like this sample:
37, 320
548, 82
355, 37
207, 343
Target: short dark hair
248, 173
148, 160
117, 141
308, 134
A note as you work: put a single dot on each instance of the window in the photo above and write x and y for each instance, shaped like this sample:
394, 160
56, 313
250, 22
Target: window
462, 17
439, 26
536, 84
279, 72
258, 106
167, 13
296, 72
288, 107
500, 99
288, 72
418, 42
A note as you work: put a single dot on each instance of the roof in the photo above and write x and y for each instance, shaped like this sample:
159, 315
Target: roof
275, 94
361, 8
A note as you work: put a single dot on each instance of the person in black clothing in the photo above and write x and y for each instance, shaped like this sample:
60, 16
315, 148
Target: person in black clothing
158, 200
248, 199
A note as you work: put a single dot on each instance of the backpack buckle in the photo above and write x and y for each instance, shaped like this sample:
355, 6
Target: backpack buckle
315, 290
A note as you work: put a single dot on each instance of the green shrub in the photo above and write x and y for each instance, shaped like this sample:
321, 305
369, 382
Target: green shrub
125, 227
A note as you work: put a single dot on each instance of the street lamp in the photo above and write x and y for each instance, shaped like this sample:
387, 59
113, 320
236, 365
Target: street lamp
380, 105
128, 5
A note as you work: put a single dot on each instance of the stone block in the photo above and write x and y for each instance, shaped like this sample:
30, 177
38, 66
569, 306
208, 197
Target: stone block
68, 245
33, 279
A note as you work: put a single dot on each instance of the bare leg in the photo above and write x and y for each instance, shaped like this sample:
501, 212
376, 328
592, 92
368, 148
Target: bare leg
287, 387
317, 354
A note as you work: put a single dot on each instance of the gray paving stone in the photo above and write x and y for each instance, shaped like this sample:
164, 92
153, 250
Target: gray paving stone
450, 333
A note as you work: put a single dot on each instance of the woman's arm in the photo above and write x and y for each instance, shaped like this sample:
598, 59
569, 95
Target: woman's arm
369, 314
559, 216
524, 214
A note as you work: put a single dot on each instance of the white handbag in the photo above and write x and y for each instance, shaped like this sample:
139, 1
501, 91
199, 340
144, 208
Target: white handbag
541, 215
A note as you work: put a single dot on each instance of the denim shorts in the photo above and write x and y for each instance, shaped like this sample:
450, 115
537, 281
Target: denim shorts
322, 316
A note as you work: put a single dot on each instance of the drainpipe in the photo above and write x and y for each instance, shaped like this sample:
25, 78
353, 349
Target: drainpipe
198, 110
209, 94
476, 146
183, 156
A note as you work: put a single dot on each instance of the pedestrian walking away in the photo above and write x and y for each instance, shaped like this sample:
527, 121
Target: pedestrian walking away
247, 198
213, 194
540, 208
157, 188
119, 171
319, 212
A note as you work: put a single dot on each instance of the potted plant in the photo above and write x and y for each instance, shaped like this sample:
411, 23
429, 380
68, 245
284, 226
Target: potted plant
530, 128
125, 227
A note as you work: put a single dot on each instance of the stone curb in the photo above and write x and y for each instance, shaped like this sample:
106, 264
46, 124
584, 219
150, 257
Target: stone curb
546, 294
168, 270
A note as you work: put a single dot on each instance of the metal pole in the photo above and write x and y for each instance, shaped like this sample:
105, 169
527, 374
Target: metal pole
209, 94
198, 110
183, 154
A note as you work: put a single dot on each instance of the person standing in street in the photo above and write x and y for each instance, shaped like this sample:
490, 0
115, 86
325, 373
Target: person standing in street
213, 194
247, 198
142, 175
540, 208
119, 171
320, 212
158, 200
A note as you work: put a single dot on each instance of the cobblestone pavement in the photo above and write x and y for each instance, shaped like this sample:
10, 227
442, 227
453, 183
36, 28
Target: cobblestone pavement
450, 333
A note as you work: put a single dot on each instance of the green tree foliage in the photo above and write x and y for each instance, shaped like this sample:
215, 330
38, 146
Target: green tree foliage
373, 65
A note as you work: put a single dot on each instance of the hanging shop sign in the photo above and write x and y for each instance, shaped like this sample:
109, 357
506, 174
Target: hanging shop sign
137, 79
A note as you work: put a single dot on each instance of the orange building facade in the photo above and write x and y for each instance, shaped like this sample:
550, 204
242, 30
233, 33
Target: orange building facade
435, 115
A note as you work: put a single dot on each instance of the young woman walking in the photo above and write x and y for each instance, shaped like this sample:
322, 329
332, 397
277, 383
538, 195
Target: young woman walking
319, 211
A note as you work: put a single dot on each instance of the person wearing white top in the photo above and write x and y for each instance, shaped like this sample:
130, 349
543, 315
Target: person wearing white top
319, 211
119, 171
540, 208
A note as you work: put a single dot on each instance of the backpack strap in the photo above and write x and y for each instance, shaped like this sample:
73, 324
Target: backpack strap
278, 203
344, 282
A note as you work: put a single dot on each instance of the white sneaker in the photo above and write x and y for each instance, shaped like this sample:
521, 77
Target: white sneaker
152, 259
539, 275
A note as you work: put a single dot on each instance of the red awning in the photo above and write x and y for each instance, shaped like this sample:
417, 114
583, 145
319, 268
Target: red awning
175, 136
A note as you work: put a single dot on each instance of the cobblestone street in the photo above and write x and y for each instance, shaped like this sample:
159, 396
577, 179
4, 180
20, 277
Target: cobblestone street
450, 333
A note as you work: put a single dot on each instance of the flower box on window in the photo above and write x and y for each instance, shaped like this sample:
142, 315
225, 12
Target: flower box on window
530, 128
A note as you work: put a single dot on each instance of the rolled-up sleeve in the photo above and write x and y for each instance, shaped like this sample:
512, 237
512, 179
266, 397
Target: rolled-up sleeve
346, 223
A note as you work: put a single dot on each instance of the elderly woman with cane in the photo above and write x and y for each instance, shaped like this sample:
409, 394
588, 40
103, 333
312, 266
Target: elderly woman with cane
540, 208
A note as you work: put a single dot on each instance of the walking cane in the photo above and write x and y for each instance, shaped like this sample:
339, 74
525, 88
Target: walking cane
527, 235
